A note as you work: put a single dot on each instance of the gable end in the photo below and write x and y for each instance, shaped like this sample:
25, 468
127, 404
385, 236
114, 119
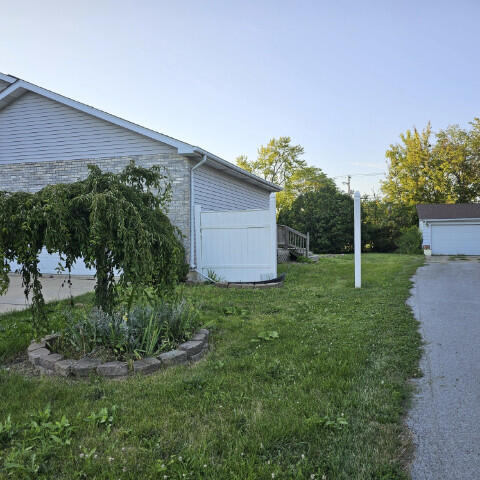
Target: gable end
35, 128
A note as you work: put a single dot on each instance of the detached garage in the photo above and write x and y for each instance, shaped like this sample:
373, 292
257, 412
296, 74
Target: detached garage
450, 229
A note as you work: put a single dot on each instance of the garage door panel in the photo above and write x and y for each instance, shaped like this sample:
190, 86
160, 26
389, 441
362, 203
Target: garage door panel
456, 239
49, 264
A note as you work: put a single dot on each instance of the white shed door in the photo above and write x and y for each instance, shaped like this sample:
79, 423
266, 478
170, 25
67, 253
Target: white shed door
456, 239
238, 246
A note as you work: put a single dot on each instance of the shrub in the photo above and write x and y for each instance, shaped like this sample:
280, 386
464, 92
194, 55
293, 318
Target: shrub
143, 331
327, 214
116, 223
410, 241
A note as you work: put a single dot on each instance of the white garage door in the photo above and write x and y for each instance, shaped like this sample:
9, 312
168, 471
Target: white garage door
456, 239
49, 265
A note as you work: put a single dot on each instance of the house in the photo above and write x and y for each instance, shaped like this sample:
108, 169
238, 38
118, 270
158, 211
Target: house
452, 229
226, 215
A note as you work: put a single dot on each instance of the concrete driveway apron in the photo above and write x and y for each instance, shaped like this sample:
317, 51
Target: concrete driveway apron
445, 414
54, 287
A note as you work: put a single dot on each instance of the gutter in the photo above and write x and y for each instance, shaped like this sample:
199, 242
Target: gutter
192, 211
232, 167
438, 220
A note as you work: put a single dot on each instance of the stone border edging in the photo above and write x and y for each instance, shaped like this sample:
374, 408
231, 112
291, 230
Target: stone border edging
50, 363
249, 285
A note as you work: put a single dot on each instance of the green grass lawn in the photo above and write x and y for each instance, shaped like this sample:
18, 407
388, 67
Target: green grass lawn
323, 400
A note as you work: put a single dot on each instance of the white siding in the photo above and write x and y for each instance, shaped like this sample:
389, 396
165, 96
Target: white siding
216, 191
35, 128
425, 229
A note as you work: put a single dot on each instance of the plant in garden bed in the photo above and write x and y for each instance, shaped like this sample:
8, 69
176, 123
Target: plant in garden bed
116, 223
143, 331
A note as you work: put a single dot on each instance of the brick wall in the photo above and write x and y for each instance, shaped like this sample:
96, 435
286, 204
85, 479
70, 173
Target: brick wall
31, 177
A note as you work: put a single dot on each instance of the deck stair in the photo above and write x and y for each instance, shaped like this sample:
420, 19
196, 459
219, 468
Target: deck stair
292, 241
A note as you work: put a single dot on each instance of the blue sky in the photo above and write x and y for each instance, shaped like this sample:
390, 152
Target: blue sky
342, 78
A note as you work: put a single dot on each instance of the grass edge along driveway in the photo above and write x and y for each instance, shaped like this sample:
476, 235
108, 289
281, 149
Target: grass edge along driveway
305, 381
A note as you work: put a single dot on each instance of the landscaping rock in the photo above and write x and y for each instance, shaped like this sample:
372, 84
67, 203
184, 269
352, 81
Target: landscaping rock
204, 331
35, 355
64, 367
265, 285
50, 337
84, 367
147, 365
191, 347
49, 361
199, 356
240, 285
35, 346
45, 371
113, 369
199, 337
173, 357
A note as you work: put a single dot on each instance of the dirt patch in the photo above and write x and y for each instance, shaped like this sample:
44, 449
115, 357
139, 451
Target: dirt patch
21, 365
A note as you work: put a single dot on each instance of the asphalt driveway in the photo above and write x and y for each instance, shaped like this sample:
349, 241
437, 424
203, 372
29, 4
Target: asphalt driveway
445, 415
54, 287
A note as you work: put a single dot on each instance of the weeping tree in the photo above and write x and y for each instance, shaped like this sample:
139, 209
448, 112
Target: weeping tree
116, 223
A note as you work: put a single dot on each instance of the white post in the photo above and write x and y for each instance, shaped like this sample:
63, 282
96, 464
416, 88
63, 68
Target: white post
197, 246
273, 233
358, 240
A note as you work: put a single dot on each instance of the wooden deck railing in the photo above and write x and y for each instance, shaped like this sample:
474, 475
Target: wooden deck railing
290, 238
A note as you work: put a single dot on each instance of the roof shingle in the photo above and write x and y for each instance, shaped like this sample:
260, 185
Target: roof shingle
444, 211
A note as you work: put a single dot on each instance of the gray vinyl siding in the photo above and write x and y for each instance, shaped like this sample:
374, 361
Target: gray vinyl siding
35, 128
215, 190
3, 85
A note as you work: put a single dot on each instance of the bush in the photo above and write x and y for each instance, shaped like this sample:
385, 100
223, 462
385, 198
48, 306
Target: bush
116, 223
327, 214
143, 331
410, 241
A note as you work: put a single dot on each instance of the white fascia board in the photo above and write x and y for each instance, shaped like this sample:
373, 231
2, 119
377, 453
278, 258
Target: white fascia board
443, 220
247, 175
10, 89
7, 78
183, 148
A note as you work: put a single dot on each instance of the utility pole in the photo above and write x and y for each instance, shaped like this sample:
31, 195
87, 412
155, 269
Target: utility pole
347, 183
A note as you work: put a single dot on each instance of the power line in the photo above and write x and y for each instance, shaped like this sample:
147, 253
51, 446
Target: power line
373, 174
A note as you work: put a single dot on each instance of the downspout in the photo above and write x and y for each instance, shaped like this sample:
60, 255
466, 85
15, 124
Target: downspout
192, 212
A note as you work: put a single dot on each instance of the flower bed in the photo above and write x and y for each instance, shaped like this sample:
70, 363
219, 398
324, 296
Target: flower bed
41, 356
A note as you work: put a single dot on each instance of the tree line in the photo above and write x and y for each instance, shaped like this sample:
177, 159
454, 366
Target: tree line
423, 167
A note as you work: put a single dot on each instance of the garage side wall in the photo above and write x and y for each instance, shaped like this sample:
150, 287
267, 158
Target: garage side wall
33, 176
426, 232
217, 191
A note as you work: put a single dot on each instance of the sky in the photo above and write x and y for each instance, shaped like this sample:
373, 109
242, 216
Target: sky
342, 78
